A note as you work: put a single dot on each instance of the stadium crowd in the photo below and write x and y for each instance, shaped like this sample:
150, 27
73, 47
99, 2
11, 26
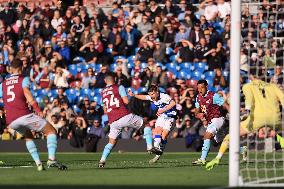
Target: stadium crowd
173, 43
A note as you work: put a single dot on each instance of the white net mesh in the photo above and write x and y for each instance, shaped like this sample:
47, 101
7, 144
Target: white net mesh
262, 55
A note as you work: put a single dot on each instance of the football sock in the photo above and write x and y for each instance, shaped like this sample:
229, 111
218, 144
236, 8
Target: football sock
106, 151
148, 137
163, 144
33, 151
223, 148
280, 139
205, 148
51, 146
157, 141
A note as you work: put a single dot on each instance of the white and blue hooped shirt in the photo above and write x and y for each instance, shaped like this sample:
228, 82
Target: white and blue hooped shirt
163, 101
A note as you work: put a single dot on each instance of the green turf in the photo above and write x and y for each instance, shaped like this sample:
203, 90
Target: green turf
125, 169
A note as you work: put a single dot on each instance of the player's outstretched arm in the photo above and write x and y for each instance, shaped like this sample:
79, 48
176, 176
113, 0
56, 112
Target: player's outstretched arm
141, 97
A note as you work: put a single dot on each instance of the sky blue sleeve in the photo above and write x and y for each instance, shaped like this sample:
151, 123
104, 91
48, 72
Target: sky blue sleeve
196, 103
38, 77
122, 91
1, 91
218, 99
26, 82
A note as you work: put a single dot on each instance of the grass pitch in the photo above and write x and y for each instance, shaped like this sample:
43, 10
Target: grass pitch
123, 170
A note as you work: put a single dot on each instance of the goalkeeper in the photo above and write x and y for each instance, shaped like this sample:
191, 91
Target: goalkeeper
261, 109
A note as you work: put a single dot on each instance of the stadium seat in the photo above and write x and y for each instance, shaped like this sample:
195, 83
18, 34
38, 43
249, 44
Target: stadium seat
112, 67
78, 60
130, 65
96, 98
172, 67
200, 66
182, 74
225, 74
173, 58
162, 90
144, 65
98, 67
186, 65
209, 74
196, 75
72, 68
270, 72
42, 92
131, 58
98, 91
76, 109
52, 93
169, 51
191, 82
118, 57
80, 76
39, 99
85, 92
142, 90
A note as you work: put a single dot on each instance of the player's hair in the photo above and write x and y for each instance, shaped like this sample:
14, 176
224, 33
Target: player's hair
110, 76
153, 88
16, 63
202, 81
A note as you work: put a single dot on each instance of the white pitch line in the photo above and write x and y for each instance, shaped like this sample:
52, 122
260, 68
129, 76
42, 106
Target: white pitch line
9, 167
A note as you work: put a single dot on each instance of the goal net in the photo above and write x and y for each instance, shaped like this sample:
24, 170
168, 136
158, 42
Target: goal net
261, 65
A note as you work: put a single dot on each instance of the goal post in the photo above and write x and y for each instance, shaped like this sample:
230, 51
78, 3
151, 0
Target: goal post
235, 93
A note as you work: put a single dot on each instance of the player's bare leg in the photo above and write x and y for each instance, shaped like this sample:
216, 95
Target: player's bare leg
50, 134
33, 149
106, 152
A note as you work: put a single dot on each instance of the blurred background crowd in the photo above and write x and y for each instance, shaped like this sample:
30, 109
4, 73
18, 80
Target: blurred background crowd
67, 49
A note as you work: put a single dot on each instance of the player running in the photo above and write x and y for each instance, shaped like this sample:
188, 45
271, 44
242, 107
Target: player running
166, 118
115, 100
16, 94
261, 110
208, 110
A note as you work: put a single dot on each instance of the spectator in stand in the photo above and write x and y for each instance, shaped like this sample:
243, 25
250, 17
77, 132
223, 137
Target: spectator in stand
121, 79
100, 82
89, 53
57, 122
146, 77
185, 52
214, 61
146, 50
224, 8
210, 10
196, 35
78, 130
201, 50
219, 79
145, 25
160, 77
61, 97
61, 77
169, 36
278, 77
183, 34
89, 80
94, 133
159, 53
57, 20
268, 60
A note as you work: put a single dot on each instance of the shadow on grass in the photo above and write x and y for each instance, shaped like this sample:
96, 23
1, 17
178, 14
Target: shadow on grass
103, 186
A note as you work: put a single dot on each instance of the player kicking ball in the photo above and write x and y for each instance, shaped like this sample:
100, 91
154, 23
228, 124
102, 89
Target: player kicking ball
16, 94
166, 118
208, 110
115, 100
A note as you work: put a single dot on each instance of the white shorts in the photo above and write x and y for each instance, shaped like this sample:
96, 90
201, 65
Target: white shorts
28, 122
215, 125
130, 120
167, 123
